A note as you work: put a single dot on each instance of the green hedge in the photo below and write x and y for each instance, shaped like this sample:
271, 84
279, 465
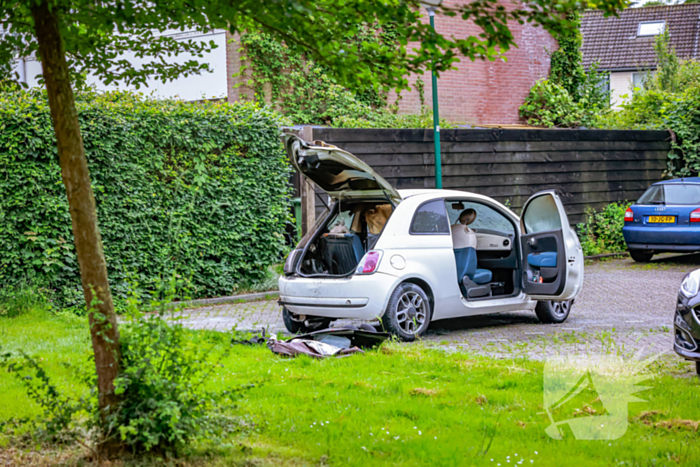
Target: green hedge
200, 190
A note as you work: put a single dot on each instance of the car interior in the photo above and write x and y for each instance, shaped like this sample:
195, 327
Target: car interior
542, 238
341, 241
489, 268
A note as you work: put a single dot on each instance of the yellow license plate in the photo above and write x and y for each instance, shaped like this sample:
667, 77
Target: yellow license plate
662, 219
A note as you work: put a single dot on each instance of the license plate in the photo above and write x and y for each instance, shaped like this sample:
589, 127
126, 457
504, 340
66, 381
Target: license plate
662, 219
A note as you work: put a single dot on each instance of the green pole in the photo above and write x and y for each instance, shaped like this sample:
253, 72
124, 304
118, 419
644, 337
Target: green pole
436, 117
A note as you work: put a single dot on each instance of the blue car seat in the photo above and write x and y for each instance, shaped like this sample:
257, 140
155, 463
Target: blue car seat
466, 266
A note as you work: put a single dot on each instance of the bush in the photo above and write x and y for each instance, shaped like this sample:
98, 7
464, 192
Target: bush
20, 298
602, 233
668, 100
197, 188
387, 118
571, 97
164, 372
165, 382
550, 105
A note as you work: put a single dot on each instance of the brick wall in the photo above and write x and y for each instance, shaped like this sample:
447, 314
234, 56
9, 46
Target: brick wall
478, 92
484, 92
233, 66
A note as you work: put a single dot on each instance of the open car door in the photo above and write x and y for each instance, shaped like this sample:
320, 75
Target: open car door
551, 253
337, 172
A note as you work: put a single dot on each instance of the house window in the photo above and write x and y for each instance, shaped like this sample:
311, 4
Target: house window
639, 78
650, 28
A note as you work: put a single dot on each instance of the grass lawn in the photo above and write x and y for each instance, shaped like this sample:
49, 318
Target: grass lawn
399, 405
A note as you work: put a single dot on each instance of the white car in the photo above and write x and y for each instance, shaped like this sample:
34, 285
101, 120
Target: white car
388, 254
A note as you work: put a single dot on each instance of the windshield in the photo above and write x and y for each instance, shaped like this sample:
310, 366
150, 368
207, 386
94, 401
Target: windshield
675, 193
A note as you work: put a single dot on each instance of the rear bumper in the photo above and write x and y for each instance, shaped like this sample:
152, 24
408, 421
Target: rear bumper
661, 247
354, 297
670, 238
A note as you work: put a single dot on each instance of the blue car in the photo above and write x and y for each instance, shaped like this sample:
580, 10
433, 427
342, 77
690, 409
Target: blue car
665, 219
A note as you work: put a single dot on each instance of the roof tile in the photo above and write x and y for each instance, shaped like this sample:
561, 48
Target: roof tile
613, 41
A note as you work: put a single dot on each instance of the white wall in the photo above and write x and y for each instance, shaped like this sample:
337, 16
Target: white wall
194, 87
620, 85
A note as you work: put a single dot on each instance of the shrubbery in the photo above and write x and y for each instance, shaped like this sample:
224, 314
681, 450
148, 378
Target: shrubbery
306, 94
571, 97
602, 233
668, 100
167, 399
197, 189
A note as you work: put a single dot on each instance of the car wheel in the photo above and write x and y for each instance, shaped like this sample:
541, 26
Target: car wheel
697, 368
295, 326
553, 312
408, 313
641, 256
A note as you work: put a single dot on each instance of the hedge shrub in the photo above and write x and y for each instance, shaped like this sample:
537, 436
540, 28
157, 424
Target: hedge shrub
196, 189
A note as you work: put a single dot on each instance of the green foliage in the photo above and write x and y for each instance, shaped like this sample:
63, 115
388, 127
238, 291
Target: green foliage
602, 233
20, 298
570, 97
164, 370
566, 69
304, 91
307, 94
387, 118
668, 100
200, 189
96, 35
57, 422
165, 373
549, 104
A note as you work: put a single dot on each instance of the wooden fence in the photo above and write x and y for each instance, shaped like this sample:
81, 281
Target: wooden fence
589, 168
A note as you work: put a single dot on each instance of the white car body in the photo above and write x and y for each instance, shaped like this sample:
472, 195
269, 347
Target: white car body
425, 260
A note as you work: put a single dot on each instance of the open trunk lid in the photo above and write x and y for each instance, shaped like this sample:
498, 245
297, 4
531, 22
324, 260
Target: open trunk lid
337, 172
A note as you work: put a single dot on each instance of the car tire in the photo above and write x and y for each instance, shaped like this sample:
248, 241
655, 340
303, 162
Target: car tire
697, 368
550, 312
641, 256
300, 327
408, 313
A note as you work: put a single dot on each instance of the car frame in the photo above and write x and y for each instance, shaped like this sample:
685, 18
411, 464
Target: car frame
686, 323
421, 268
681, 235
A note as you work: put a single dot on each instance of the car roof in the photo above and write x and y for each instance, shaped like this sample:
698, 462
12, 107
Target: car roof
435, 193
692, 180
428, 194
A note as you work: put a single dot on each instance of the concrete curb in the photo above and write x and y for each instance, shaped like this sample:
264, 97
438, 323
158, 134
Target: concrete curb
249, 297
606, 255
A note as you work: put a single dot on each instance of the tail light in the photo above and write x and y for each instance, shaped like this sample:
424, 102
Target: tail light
695, 216
629, 215
369, 262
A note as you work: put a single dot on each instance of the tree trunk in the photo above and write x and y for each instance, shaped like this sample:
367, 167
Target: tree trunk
81, 200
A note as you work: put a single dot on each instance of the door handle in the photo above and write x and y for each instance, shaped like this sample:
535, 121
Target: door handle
532, 242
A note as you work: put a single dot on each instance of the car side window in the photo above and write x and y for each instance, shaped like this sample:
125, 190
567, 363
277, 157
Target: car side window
430, 218
541, 215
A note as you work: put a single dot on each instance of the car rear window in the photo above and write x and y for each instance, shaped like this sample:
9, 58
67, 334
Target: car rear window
676, 193
430, 218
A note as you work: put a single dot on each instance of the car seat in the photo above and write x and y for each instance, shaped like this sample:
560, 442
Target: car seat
342, 252
473, 281
543, 266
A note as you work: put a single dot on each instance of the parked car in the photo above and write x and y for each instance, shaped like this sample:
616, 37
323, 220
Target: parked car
388, 254
665, 219
686, 324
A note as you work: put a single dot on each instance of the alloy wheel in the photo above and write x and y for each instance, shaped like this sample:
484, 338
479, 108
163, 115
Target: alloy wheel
411, 312
560, 309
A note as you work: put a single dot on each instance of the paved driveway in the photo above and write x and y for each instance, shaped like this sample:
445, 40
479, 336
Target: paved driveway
624, 307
